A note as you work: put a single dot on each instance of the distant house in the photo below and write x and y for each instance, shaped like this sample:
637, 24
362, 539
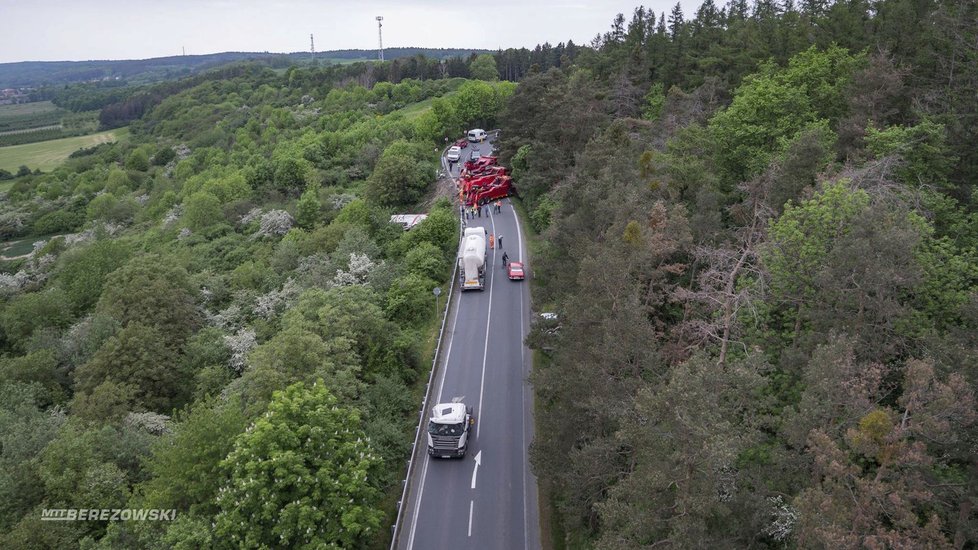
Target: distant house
408, 220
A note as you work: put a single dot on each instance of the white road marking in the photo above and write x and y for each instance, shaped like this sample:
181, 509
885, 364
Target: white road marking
519, 236
485, 350
475, 471
471, 505
526, 525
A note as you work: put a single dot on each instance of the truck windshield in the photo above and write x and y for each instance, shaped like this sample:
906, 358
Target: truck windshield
445, 429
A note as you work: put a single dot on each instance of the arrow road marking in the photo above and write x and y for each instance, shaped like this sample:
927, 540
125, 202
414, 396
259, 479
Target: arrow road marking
475, 471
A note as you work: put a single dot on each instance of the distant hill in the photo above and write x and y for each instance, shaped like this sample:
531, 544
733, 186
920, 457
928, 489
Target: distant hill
141, 71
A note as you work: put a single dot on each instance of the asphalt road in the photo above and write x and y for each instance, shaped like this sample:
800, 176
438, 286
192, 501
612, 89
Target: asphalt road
490, 503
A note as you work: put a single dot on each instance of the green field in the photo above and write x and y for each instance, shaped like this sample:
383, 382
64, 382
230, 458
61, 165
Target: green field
13, 249
47, 155
415, 110
26, 109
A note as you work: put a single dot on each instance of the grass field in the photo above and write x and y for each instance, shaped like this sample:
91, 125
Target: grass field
22, 109
415, 110
13, 249
47, 155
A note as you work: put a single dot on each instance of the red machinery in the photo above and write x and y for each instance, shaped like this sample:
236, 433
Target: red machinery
483, 162
485, 171
486, 189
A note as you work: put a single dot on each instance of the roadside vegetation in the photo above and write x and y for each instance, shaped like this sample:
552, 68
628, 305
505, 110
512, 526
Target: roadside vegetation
760, 240
216, 316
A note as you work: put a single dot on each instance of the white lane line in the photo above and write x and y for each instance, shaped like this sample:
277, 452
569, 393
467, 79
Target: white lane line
526, 524
525, 374
427, 459
519, 236
485, 350
471, 505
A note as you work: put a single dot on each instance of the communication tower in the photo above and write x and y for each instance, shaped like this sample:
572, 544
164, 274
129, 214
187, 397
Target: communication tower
380, 37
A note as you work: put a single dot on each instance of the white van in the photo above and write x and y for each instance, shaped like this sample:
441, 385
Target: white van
477, 135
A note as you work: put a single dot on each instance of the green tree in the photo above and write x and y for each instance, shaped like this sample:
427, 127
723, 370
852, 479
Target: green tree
138, 355
923, 148
106, 207
307, 209
202, 210
83, 271
483, 67
29, 312
803, 236
301, 476
398, 179
290, 175
25, 429
296, 354
772, 107
138, 160
38, 367
409, 299
185, 466
154, 292
427, 260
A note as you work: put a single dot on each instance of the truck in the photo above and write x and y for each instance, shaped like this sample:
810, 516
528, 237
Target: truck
482, 191
449, 429
472, 259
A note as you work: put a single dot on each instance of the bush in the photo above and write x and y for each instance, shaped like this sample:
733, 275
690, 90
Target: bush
410, 300
58, 221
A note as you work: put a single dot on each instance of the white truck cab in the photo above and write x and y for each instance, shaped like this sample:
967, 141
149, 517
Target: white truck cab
448, 430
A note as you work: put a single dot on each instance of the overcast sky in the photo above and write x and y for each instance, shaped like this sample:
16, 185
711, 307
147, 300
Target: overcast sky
56, 30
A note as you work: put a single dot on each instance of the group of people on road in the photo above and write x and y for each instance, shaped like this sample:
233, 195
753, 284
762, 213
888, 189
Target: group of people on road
475, 211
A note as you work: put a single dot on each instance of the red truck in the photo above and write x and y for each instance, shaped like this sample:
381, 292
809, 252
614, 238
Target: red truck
481, 163
487, 189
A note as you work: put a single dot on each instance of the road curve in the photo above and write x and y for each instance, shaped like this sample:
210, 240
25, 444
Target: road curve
492, 504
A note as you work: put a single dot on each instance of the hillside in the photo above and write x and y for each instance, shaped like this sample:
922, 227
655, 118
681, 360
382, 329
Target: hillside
142, 71
759, 237
225, 279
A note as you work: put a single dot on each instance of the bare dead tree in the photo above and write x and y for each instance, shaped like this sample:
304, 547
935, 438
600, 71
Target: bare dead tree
720, 287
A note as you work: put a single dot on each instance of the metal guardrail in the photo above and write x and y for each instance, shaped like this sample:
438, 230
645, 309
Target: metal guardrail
427, 394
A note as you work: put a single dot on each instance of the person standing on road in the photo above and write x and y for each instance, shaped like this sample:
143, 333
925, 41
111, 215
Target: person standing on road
492, 241
499, 239
479, 208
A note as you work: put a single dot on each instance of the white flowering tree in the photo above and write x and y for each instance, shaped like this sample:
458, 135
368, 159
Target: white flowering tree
269, 304
359, 270
240, 344
154, 423
275, 223
252, 215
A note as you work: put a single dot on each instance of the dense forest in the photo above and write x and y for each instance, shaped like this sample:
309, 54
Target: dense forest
759, 231
207, 298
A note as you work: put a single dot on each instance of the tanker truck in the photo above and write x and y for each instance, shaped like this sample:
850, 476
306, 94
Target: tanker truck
472, 259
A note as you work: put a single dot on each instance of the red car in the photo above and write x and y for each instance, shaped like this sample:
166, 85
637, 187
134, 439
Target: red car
462, 143
516, 272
